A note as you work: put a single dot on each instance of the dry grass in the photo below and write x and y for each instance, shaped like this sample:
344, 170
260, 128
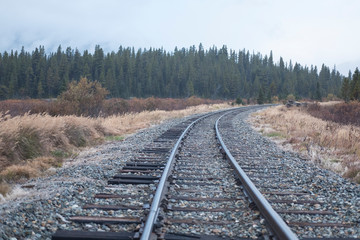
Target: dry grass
30, 136
113, 106
4, 188
131, 122
18, 172
31, 144
29, 169
332, 145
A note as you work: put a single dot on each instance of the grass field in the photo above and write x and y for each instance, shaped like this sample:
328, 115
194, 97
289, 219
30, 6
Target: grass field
31, 144
109, 107
332, 145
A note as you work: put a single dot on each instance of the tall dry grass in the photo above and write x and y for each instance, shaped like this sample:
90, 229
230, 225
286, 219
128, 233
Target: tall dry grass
131, 122
109, 107
30, 144
332, 145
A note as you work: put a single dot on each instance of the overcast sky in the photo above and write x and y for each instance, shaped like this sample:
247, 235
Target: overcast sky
311, 32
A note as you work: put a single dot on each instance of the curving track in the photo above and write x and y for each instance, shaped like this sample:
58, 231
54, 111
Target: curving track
188, 184
204, 196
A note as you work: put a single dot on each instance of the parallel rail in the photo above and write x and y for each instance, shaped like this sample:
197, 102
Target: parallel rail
279, 228
276, 223
161, 189
147, 232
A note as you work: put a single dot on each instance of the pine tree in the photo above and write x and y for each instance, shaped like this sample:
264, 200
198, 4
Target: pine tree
345, 90
212, 73
261, 96
4, 92
324, 79
98, 67
355, 85
190, 88
318, 92
40, 91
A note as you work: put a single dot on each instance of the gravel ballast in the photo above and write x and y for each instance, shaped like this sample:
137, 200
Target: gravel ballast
285, 171
43, 205
234, 218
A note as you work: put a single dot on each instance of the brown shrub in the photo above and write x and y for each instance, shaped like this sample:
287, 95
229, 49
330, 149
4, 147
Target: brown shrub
109, 107
82, 98
20, 107
115, 106
343, 113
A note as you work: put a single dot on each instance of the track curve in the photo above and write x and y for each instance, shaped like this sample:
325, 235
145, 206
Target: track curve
201, 179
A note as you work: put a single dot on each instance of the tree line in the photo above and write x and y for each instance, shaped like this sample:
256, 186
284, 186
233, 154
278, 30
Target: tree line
213, 73
350, 89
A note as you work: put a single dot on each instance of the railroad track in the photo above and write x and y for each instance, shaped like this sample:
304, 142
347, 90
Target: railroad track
121, 209
304, 198
205, 196
185, 185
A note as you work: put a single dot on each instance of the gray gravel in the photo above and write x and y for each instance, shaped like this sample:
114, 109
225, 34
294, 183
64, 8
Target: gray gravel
38, 211
286, 171
200, 150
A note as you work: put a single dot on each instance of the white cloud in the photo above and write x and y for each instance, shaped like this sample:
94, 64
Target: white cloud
309, 32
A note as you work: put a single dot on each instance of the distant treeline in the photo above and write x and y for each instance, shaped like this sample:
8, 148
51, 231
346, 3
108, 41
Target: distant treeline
350, 89
213, 73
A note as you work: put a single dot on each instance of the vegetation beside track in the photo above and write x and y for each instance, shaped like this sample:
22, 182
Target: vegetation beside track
316, 135
31, 144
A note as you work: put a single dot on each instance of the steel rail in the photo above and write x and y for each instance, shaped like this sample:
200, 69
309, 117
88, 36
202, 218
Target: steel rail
155, 205
276, 223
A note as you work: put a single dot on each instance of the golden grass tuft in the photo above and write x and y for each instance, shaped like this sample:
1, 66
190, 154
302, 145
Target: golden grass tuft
30, 136
18, 172
4, 189
44, 163
318, 139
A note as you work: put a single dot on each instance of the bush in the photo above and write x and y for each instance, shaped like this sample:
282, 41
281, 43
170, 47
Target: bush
239, 101
82, 98
331, 97
19, 107
343, 113
290, 97
115, 106
274, 99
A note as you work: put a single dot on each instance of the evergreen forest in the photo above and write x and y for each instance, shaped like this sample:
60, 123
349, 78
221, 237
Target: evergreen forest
213, 73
